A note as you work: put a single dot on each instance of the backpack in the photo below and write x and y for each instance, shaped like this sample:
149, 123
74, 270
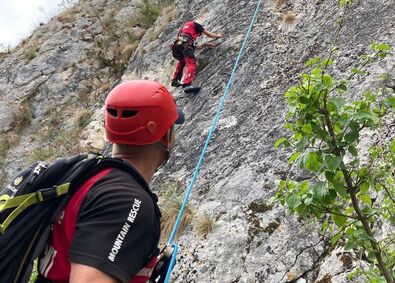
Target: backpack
32, 201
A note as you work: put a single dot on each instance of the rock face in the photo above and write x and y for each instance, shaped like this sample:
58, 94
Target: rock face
64, 70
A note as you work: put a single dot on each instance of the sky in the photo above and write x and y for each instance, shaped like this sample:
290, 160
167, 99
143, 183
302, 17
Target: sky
18, 18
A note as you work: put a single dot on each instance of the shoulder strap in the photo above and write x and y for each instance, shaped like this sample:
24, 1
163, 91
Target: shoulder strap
114, 162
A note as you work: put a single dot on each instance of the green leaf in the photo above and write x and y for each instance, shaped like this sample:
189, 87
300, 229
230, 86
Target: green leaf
319, 131
350, 244
333, 162
282, 184
319, 190
293, 157
364, 114
293, 201
329, 176
281, 141
370, 96
301, 209
354, 126
300, 145
312, 61
352, 150
390, 101
327, 81
371, 256
364, 187
313, 161
307, 128
339, 188
304, 187
336, 238
338, 101
341, 88
304, 100
350, 231
392, 147
331, 107
381, 47
308, 201
337, 128
357, 71
316, 72
339, 220
351, 136
332, 195
366, 199
327, 62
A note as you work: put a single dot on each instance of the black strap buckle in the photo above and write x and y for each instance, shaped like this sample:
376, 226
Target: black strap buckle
48, 193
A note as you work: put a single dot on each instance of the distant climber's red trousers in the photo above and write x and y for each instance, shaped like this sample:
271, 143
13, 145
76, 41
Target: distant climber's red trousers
190, 63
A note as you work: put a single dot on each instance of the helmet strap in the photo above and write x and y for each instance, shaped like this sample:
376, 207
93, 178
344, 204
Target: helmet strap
164, 143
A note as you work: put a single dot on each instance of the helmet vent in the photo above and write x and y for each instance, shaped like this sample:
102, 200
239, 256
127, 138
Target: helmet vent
129, 113
112, 112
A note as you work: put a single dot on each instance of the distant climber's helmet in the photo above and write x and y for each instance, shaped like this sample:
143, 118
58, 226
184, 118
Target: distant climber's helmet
140, 112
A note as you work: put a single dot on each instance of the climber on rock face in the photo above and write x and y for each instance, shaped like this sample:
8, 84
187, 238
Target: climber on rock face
183, 50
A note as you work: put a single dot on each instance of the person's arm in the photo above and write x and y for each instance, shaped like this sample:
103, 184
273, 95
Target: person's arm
83, 274
212, 35
209, 45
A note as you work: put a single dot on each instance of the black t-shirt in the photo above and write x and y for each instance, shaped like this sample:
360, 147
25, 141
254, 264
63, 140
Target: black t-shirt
117, 227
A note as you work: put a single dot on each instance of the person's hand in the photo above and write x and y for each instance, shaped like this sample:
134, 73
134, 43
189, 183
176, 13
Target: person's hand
219, 35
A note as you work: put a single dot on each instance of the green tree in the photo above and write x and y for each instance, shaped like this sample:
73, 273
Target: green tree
349, 194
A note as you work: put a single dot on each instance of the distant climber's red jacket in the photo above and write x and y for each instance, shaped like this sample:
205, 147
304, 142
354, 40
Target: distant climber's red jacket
192, 29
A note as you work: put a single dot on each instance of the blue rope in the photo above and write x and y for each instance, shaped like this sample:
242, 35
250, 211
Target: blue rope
200, 161
214, 124
172, 263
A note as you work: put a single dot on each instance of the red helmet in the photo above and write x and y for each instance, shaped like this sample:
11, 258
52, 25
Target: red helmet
139, 112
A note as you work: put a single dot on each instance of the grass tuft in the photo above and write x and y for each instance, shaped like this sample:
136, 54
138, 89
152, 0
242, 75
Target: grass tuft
280, 3
289, 18
24, 116
31, 53
83, 118
169, 216
204, 225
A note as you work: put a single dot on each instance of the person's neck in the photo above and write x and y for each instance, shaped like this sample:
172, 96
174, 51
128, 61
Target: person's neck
145, 159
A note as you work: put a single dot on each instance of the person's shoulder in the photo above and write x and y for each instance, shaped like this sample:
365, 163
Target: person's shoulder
118, 183
199, 28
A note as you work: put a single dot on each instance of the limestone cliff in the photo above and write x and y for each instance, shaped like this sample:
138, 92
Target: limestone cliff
53, 84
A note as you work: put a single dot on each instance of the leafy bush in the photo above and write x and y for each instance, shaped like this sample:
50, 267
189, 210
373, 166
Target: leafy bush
352, 195
325, 133
149, 11
41, 154
31, 53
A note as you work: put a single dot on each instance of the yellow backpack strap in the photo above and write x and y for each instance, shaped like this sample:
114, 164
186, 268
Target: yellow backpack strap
24, 201
3, 200
13, 202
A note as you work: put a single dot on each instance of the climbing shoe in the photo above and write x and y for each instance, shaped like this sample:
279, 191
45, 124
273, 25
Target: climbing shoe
191, 88
175, 83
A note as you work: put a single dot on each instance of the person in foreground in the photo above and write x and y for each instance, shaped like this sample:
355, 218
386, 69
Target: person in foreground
183, 50
110, 228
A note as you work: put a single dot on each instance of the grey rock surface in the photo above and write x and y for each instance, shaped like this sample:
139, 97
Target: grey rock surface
251, 241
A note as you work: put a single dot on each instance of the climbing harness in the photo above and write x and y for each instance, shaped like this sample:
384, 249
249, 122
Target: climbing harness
170, 242
183, 39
